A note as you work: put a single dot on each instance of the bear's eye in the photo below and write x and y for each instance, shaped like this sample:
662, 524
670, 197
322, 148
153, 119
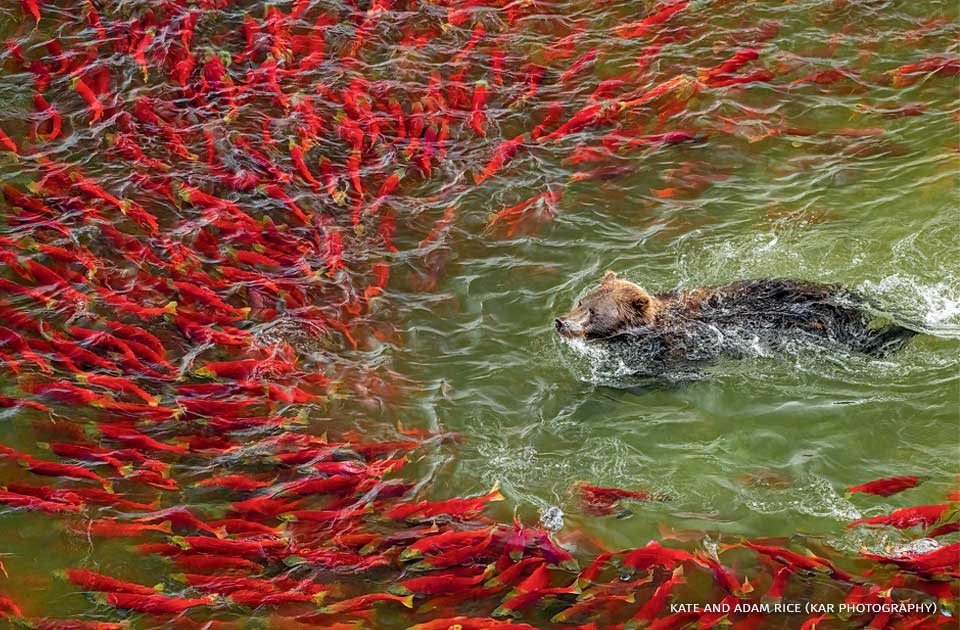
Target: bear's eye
579, 303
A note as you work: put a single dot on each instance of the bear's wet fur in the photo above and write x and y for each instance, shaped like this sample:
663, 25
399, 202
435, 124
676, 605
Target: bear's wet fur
675, 328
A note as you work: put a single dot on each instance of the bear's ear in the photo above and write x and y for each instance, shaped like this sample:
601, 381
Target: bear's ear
641, 304
641, 301
610, 276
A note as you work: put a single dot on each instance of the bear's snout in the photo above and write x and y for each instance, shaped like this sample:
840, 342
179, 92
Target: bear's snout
568, 327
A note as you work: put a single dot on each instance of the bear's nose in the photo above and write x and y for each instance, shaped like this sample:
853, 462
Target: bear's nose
559, 324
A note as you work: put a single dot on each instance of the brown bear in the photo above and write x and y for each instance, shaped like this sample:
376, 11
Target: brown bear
682, 327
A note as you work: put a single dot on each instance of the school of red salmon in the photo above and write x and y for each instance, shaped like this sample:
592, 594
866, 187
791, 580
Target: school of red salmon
255, 157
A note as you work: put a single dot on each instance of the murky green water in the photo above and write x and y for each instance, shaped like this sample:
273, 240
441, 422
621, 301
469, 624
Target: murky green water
463, 338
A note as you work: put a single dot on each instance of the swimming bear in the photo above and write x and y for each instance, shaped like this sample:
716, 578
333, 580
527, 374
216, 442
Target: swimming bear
682, 328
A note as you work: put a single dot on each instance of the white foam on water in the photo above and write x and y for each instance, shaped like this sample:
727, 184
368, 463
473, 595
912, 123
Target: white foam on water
936, 305
914, 547
602, 367
814, 497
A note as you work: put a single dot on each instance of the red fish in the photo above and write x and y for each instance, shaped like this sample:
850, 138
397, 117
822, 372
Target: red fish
113, 528
521, 601
6, 141
593, 607
824, 77
910, 73
318, 485
441, 227
244, 369
800, 561
93, 102
9, 608
723, 576
439, 584
454, 507
654, 554
181, 518
739, 59
888, 486
90, 454
218, 546
456, 556
297, 156
944, 560
257, 598
471, 623
154, 604
648, 56
533, 76
497, 62
6, 402
588, 116
139, 53
154, 479
90, 581
233, 482
381, 273
97, 496
757, 76
642, 27
513, 573
921, 515
49, 112
537, 580
478, 33
266, 507
55, 469
596, 566
387, 188
779, 584
588, 58
364, 601
562, 48
602, 501
477, 115
326, 516
50, 623
514, 215
31, 7
276, 192
29, 502
554, 112
212, 562
658, 600
118, 384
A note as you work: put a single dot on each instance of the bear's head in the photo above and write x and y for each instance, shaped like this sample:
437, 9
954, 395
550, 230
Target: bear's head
609, 309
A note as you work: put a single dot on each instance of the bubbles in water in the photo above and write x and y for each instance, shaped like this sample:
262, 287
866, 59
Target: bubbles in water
551, 518
914, 547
